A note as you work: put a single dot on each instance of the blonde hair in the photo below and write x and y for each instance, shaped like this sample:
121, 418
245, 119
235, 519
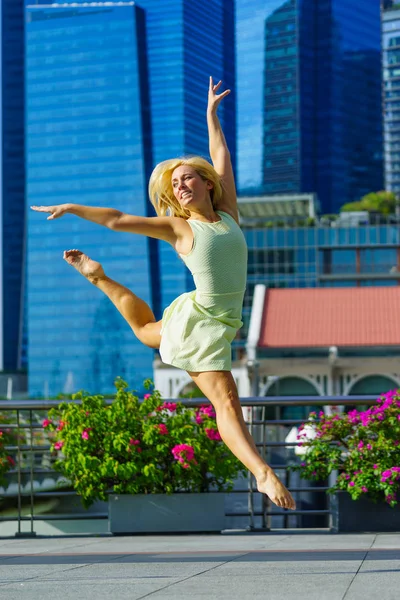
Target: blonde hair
160, 185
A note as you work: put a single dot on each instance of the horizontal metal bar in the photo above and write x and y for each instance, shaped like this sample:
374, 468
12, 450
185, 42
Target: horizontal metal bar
66, 517
285, 513
255, 401
60, 493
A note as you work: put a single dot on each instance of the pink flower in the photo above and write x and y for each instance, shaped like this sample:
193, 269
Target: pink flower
351, 484
375, 466
146, 396
85, 433
162, 428
61, 426
364, 489
171, 406
360, 445
184, 454
133, 442
46, 422
208, 411
369, 447
58, 445
213, 434
199, 419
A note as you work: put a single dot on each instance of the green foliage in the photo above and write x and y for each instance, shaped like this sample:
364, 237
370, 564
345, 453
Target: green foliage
133, 447
382, 202
363, 446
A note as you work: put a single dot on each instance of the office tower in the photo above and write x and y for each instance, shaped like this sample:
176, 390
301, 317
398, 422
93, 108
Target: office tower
309, 98
87, 141
391, 97
12, 221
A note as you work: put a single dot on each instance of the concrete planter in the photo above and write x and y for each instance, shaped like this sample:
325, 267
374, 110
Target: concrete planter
363, 515
162, 513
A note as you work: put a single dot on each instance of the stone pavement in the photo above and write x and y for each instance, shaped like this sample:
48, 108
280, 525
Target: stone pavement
235, 565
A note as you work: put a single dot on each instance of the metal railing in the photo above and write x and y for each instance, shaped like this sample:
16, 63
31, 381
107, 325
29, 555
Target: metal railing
269, 435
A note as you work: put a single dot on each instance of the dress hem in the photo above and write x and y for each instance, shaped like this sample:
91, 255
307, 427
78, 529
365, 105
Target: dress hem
216, 366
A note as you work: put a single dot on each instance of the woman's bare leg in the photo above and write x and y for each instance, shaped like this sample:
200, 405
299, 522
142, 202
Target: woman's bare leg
134, 310
220, 388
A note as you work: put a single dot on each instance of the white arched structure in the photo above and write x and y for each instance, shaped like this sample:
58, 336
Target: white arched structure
352, 381
312, 380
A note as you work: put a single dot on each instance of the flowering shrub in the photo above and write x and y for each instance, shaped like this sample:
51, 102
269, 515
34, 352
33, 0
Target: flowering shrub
132, 447
8, 437
363, 446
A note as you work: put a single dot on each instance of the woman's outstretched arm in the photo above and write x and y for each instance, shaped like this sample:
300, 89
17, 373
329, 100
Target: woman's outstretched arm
169, 229
219, 151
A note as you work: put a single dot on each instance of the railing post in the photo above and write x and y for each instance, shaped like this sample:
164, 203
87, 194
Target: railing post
19, 533
250, 495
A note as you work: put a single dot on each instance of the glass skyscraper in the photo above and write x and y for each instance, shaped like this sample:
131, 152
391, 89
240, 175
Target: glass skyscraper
112, 89
309, 98
12, 179
86, 143
391, 94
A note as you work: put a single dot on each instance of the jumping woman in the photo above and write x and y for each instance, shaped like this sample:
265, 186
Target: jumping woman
197, 214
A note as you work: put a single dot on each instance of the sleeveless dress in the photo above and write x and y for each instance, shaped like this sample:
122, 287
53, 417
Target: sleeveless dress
199, 326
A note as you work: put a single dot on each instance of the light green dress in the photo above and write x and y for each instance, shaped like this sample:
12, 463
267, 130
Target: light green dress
199, 326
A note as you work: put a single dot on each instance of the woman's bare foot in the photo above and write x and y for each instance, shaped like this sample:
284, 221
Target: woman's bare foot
269, 484
92, 270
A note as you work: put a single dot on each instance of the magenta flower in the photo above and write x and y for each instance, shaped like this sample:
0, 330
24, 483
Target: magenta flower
171, 406
351, 484
364, 489
146, 396
61, 426
58, 445
208, 411
184, 454
46, 422
85, 433
199, 419
162, 428
213, 434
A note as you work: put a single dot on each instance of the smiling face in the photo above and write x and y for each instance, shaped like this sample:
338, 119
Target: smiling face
189, 188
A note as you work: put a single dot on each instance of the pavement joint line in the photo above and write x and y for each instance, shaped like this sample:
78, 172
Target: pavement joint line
201, 552
190, 577
359, 567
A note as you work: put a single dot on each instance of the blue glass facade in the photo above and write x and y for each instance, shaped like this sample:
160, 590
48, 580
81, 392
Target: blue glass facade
12, 183
391, 82
301, 124
85, 143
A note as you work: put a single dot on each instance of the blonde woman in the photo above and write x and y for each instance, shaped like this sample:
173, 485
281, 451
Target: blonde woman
197, 214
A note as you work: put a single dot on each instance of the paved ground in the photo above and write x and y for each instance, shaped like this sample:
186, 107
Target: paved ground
272, 566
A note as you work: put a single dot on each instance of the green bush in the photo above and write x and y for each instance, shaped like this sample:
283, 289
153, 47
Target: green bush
133, 447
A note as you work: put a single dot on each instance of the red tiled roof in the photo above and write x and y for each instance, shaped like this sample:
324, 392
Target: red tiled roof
365, 316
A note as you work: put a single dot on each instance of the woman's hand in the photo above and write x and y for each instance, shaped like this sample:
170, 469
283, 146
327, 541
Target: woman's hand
213, 98
56, 211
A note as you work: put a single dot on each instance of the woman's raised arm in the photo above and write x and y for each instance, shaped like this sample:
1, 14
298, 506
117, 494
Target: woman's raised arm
169, 229
219, 151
